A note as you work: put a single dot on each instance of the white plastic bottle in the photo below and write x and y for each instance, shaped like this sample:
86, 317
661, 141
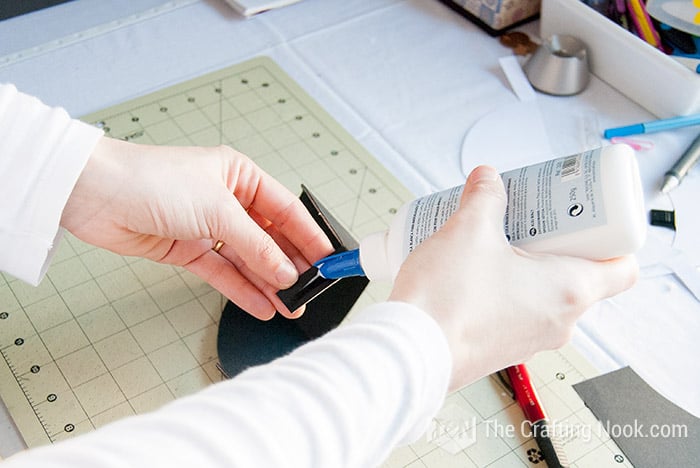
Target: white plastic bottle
587, 205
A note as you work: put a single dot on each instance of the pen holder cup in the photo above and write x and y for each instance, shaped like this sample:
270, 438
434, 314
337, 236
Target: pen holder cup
559, 66
679, 14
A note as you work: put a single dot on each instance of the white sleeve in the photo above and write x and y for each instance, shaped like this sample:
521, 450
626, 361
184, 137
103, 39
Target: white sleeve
42, 154
343, 400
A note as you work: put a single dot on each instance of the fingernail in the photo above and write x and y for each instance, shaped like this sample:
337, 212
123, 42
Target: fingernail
286, 274
486, 173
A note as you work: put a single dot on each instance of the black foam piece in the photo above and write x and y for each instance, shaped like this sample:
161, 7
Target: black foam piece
651, 430
244, 341
8, 9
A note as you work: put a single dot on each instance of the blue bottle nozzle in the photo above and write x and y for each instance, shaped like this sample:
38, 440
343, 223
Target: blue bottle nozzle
341, 265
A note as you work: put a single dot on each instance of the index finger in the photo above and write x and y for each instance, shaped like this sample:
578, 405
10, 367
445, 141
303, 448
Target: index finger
284, 210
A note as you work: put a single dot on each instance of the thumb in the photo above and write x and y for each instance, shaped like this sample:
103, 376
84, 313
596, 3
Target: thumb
484, 197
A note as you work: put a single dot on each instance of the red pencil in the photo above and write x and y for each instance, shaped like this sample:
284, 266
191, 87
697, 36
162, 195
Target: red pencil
546, 439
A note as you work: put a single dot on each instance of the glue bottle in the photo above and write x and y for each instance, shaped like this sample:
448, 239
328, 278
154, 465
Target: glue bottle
586, 205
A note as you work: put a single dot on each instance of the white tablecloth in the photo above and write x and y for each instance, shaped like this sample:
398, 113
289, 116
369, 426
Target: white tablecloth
408, 79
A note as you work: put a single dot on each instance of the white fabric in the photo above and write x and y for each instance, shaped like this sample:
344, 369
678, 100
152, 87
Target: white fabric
408, 79
43, 152
344, 400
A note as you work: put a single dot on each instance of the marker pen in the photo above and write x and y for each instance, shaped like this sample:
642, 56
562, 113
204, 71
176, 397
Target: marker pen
653, 126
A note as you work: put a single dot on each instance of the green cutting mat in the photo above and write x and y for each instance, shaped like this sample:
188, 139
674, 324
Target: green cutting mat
106, 336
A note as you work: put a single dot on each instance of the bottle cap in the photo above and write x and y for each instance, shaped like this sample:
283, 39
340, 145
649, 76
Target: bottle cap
373, 257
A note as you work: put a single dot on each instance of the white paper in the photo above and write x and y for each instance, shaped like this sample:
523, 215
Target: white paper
253, 7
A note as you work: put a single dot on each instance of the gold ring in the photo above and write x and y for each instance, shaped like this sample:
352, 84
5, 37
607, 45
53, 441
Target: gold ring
218, 246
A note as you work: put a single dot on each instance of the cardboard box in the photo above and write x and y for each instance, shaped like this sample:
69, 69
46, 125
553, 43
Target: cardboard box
496, 16
643, 73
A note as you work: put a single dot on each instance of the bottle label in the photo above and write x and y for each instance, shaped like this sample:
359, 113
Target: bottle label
429, 213
551, 198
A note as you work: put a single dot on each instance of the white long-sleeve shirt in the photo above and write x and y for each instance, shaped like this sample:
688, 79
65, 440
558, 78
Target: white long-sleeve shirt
42, 152
345, 399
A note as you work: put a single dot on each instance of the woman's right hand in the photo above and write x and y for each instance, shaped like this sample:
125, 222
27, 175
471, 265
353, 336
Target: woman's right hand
496, 303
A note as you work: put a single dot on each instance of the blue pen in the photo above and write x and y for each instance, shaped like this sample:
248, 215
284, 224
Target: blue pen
654, 126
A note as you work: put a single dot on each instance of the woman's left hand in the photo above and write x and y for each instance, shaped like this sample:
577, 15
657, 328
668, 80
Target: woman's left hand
172, 204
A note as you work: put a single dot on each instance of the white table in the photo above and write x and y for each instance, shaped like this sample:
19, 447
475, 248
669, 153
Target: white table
408, 79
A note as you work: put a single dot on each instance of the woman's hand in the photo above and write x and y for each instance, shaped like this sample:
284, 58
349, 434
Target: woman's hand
172, 204
498, 304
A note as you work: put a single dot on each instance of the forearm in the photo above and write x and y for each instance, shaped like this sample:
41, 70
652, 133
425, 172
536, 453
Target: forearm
42, 155
344, 400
